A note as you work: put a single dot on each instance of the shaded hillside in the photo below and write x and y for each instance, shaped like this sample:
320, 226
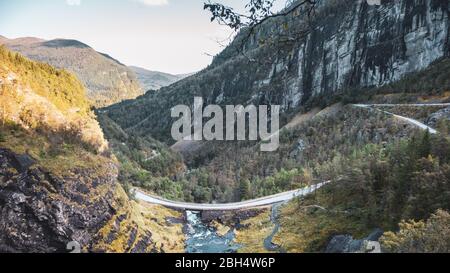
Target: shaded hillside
144, 161
153, 80
347, 44
107, 81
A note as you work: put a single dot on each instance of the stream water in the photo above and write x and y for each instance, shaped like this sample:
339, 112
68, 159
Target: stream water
268, 242
202, 238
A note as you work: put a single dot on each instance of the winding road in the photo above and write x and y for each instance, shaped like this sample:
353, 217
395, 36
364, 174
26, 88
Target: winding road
408, 120
260, 202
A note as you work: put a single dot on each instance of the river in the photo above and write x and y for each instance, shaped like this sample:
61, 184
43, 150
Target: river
202, 238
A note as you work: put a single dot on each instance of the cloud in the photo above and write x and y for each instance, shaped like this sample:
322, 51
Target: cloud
153, 2
73, 2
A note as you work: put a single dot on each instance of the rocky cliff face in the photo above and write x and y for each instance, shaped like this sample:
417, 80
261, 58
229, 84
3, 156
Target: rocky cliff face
40, 212
290, 60
347, 44
364, 46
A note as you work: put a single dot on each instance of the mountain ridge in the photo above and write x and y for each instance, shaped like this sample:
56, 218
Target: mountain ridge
155, 80
106, 79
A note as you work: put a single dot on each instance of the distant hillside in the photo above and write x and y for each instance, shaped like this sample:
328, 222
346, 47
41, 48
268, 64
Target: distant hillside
154, 80
107, 80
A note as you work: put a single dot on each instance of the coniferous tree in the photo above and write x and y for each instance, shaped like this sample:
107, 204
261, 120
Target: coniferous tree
244, 189
425, 146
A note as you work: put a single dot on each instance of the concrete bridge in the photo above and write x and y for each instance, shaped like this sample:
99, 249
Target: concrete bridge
255, 203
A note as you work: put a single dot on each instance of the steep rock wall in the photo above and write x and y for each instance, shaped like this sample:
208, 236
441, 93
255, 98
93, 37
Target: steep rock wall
289, 60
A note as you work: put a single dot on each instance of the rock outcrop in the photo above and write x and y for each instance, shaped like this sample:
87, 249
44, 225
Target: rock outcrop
443, 114
347, 244
44, 213
40, 212
352, 44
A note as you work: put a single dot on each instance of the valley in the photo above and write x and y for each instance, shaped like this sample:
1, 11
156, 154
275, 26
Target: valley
87, 156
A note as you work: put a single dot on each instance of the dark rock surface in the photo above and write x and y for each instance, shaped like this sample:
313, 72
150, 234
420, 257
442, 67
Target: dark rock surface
22, 162
347, 244
443, 114
43, 213
233, 218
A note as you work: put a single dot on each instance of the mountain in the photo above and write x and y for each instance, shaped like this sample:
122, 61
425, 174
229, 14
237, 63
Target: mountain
59, 184
384, 170
107, 80
349, 87
350, 52
153, 80
346, 45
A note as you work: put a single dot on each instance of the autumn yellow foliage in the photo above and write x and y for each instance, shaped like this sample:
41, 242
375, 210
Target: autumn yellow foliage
37, 96
431, 236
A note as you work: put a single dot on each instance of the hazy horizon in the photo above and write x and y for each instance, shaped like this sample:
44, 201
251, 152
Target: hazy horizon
172, 36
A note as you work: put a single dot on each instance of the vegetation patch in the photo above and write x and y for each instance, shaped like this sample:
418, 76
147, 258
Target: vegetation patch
431, 236
375, 187
253, 231
54, 154
139, 227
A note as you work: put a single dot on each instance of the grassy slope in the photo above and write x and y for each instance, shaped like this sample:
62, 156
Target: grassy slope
61, 88
253, 232
144, 220
45, 113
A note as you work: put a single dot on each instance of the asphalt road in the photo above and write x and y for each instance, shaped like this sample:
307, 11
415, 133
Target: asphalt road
409, 120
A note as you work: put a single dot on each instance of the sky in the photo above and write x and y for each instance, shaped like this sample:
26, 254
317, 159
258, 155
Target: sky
173, 36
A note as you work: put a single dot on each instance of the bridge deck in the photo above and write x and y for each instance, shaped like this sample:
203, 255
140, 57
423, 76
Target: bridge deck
260, 202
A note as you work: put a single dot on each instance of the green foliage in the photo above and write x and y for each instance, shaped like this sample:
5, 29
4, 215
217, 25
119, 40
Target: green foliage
301, 151
374, 187
408, 180
424, 149
432, 236
244, 189
144, 162
432, 82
